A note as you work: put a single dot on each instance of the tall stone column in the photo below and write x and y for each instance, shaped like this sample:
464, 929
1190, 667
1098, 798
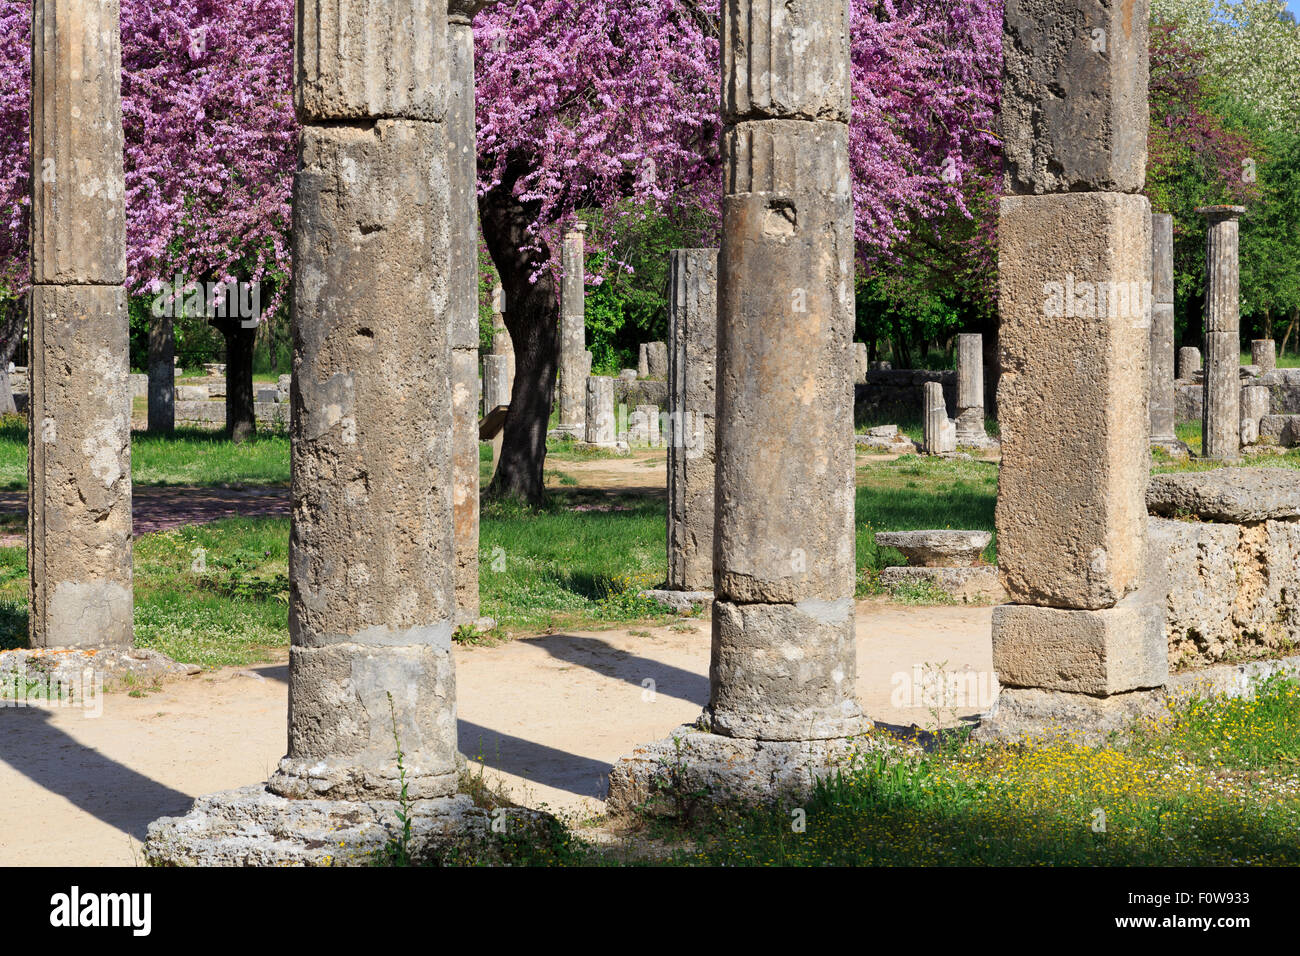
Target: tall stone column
372, 600
79, 414
462, 289
970, 390
573, 334
782, 706
692, 401
1162, 401
784, 660
1073, 401
1221, 411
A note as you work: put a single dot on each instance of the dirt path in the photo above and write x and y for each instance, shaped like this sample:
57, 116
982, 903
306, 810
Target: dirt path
548, 716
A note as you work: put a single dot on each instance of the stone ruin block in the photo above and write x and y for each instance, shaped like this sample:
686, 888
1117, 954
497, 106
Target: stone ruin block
1073, 397
1074, 95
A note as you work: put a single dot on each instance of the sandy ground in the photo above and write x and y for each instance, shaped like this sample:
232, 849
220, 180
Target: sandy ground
547, 716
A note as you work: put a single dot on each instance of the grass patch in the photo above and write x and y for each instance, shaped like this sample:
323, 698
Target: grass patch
1214, 783
189, 456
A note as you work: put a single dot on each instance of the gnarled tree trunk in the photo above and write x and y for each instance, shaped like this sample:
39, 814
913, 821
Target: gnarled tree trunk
532, 320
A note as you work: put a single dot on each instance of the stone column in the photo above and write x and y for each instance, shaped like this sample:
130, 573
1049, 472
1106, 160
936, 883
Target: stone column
599, 411
1162, 334
784, 660
939, 433
1075, 336
692, 390
1263, 354
1221, 414
496, 383
501, 341
1189, 362
462, 291
79, 412
970, 390
162, 374
573, 335
860, 363
372, 600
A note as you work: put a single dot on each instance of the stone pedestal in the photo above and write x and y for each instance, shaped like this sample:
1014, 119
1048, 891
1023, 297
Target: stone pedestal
1189, 362
575, 361
692, 400
652, 361
496, 383
1254, 406
1221, 416
79, 409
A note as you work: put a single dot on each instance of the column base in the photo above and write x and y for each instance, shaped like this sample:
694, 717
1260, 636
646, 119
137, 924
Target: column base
314, 779
1026, 714
671, 777
253, 827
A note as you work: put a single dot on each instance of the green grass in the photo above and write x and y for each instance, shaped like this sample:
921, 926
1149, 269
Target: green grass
1291, 360
186, 457
1213, 783
1190, 434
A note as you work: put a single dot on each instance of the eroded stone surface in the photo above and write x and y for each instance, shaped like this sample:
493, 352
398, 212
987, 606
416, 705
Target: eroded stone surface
1072, 399
937, 549
1227, 494
973, 585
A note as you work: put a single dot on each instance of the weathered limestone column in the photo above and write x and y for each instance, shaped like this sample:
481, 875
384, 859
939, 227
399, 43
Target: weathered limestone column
782, 707
970, 390
599, 412
496, 383
372, 591
652, 361
860, 363
1162, 334
162, 375
1074, 266
1221, 414
1255, 404
784, 660
462, 290
1263, 354
692, 401
939, 433
79, 413
573, 335
1189, 362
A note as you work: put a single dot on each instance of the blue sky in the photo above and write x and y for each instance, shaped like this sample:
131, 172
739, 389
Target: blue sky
1294, 7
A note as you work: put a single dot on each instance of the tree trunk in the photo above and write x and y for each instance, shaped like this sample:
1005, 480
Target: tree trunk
533, 323
162, 375
241, 421
13, 319
1290, 328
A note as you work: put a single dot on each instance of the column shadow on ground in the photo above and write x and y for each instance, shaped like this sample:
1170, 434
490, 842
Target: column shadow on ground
534, 762
109, 791
604, 658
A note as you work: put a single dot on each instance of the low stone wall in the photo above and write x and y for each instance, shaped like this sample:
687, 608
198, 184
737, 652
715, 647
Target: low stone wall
898, 394
1283, 385
1228, 542
640, 392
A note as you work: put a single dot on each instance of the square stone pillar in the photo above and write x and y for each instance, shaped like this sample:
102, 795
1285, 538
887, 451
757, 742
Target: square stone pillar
575, 364
939, 433
1221, 412
496, 383
79, 413
1075, 269
692, 406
